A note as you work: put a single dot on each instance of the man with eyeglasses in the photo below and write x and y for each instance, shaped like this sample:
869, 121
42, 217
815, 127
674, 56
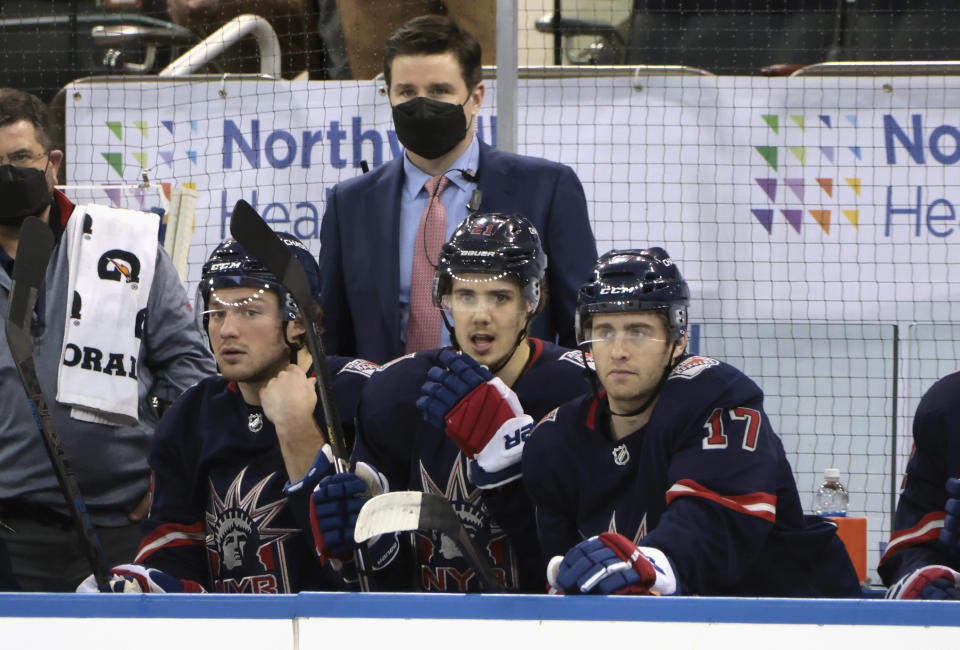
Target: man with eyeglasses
668, 479
236, 457
109, 461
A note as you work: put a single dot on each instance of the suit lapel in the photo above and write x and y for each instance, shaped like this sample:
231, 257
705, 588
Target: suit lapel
383, 203
493, 180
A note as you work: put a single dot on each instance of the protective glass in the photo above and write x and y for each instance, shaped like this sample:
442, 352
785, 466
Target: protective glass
485, 299
604, 335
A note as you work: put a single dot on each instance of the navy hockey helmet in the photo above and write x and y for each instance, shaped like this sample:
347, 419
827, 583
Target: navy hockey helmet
497, 244
634, 280
230, 265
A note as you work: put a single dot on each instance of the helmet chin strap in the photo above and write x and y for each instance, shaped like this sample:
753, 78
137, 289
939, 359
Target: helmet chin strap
294, 346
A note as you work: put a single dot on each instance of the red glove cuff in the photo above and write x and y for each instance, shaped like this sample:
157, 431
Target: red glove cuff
477, 417
628, 552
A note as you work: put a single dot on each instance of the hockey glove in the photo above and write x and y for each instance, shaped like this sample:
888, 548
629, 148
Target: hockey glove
934, 582
477, 411
610, 563
137, 579
334, 506
950, 533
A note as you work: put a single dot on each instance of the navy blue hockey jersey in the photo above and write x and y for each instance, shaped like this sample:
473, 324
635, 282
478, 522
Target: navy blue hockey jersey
706, 481
920, 512
219, 515
413, 455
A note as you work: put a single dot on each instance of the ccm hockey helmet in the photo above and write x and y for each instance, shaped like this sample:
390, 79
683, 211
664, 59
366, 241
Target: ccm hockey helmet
635, 280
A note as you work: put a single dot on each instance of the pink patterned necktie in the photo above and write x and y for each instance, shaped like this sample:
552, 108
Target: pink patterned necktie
423, 328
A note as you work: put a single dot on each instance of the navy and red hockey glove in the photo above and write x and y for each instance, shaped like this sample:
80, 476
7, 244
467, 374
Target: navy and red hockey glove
950, 533
477, 411
610, 563
934, 582
138, 579
334, 506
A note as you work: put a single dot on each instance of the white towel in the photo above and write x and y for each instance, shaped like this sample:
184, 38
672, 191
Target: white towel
111, 255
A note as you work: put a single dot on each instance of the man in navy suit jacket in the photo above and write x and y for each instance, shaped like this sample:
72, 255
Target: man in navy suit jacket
433, 75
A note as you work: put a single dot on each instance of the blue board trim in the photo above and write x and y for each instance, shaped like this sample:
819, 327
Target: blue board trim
485, 607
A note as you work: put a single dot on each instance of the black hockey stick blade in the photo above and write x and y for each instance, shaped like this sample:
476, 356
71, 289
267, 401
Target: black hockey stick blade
253, 233
396, 512
30, 267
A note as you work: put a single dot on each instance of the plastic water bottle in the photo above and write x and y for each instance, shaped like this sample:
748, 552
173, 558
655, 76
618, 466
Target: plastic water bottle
831, 498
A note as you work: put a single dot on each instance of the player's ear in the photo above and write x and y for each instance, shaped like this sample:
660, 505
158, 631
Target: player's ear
679, 348
295, 329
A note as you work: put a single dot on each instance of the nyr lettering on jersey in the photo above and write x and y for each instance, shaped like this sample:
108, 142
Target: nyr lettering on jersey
621, 455
119, 265
442, 565
96, 360
241, 545
691, 367
360, 367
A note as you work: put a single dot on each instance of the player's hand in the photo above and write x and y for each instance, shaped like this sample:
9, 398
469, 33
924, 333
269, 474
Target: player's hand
610, 563
334, 506
950, 533
934, 582
289, 399
137, 579
479, 413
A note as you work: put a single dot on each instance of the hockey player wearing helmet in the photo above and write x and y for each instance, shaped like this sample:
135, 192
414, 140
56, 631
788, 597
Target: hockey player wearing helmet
453, 421
234, 460
668, 478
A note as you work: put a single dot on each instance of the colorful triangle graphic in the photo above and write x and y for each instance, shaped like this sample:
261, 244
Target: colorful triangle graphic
852, 119
796, 185
765, 217
166, 157
854, 183
768, 185
826, 120
823, 218
193, 125
168, 125
800, 153
143, 128
192, 155
856, 151
770, 155
827, 152
141, 158
116, 128
115, 161
827, 185
799, 121
773, 122
794, 218
853, 216
114, 196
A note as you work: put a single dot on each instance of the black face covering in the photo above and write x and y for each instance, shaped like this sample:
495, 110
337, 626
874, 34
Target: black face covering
23, 193
428, 127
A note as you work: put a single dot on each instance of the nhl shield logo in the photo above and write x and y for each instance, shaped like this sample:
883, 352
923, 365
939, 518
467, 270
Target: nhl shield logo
255, 422
621, 455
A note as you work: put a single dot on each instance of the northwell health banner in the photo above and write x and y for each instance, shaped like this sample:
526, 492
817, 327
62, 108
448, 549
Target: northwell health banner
789, 199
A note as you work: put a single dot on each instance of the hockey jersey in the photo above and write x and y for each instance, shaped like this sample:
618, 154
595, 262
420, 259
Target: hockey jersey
920, 512
219, 514
706, 481
393, 437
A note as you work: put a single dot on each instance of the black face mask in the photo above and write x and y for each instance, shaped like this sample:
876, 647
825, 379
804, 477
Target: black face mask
428, 127
23, 193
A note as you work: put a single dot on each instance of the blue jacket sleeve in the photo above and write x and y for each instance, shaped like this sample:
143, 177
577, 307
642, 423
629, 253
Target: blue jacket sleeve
337, 319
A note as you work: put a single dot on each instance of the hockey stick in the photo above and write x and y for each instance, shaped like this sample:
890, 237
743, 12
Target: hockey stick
35, 247
255, 235
396, 512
